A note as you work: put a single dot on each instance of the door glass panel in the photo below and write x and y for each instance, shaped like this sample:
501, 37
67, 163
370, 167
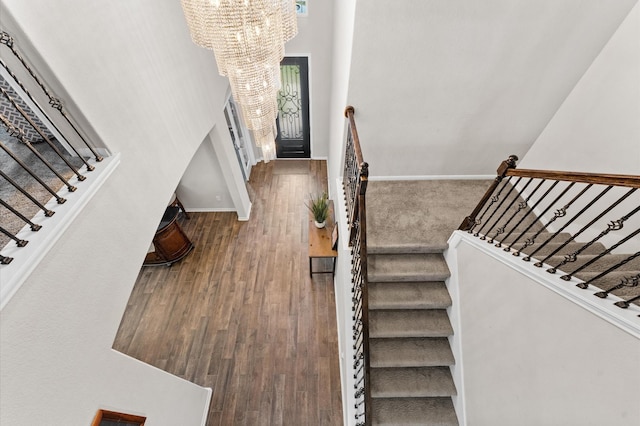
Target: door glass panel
290, 103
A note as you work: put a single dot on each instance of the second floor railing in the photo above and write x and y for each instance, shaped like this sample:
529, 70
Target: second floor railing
583, 227
355, 179
34, 162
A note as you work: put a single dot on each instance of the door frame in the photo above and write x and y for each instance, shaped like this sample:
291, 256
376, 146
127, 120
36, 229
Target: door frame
238, 121
306, 99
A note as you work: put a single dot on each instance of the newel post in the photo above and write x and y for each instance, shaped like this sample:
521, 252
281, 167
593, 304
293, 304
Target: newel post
509, 163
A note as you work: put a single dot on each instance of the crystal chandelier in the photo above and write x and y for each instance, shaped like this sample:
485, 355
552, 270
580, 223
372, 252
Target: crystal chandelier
247, 38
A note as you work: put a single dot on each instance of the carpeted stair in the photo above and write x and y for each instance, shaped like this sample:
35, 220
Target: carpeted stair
408, 227
411, 381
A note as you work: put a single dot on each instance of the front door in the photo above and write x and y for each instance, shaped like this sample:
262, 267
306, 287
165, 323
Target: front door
293, 140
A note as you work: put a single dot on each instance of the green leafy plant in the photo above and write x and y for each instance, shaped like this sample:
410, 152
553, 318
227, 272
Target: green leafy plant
319, 207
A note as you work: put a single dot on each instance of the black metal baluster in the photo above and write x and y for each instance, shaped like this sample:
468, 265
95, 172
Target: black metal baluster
5, 260
34, 227
358, 381
533, 222
624, 304
357, 357
569, 222
24, 89
494, 199
521, 206
55, 103
630, 281
471, 221
42, 134
602, 274
502, 228
46, 211
19, 242
612, 226
24, 140
359, 346
561, 212
504, 211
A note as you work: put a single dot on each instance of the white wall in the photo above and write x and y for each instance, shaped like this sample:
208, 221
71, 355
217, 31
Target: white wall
202, 187
597, 128
532, 357
344, 11
454, 87
152, 96
314, 39
214, 171
343, 26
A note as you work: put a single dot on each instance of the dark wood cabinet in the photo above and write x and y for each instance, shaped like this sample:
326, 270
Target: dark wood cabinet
170, 243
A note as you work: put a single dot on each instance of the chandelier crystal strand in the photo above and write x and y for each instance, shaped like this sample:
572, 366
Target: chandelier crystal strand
247, 38
199, 15
289, 19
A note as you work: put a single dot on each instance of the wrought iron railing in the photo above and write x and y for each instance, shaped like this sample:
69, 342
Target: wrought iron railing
581, 226
355, 178
33, 160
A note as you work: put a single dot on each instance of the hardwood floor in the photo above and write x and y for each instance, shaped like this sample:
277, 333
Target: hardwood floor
240, 313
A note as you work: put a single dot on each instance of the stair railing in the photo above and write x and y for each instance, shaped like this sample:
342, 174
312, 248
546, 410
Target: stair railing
355, 178
22, 117
541, 215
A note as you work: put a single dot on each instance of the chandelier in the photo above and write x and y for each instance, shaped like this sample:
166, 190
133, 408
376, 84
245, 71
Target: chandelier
247, 38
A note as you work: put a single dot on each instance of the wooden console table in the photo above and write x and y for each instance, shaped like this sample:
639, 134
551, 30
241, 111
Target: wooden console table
170, 242
320, 243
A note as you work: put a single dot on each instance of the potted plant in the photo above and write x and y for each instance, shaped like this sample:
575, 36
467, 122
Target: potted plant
319, 207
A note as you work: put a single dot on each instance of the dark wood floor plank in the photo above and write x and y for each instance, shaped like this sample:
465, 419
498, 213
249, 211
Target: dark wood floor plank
240, 313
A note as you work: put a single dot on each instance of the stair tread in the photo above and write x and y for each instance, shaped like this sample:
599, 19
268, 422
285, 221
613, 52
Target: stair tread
599, 265
407, 267
541, 253
409, 323
414, 411
410, 352
409, 295
542, 237
411, 382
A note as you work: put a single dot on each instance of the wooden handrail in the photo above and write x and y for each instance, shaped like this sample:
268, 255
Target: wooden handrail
630, 181
355, 180
349, 112
556, 225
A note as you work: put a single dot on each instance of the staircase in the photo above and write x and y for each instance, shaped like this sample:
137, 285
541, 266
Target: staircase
408, 329
408, 227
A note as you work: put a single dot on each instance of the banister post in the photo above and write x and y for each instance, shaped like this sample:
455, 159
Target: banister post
503, 168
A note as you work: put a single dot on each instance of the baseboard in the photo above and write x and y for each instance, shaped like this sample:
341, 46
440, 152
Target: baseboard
220, 210
210, 209
246, 218
433, 177
205, 414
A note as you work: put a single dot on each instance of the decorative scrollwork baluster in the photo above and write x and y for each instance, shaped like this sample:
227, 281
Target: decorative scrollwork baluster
629, 281
585, 284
